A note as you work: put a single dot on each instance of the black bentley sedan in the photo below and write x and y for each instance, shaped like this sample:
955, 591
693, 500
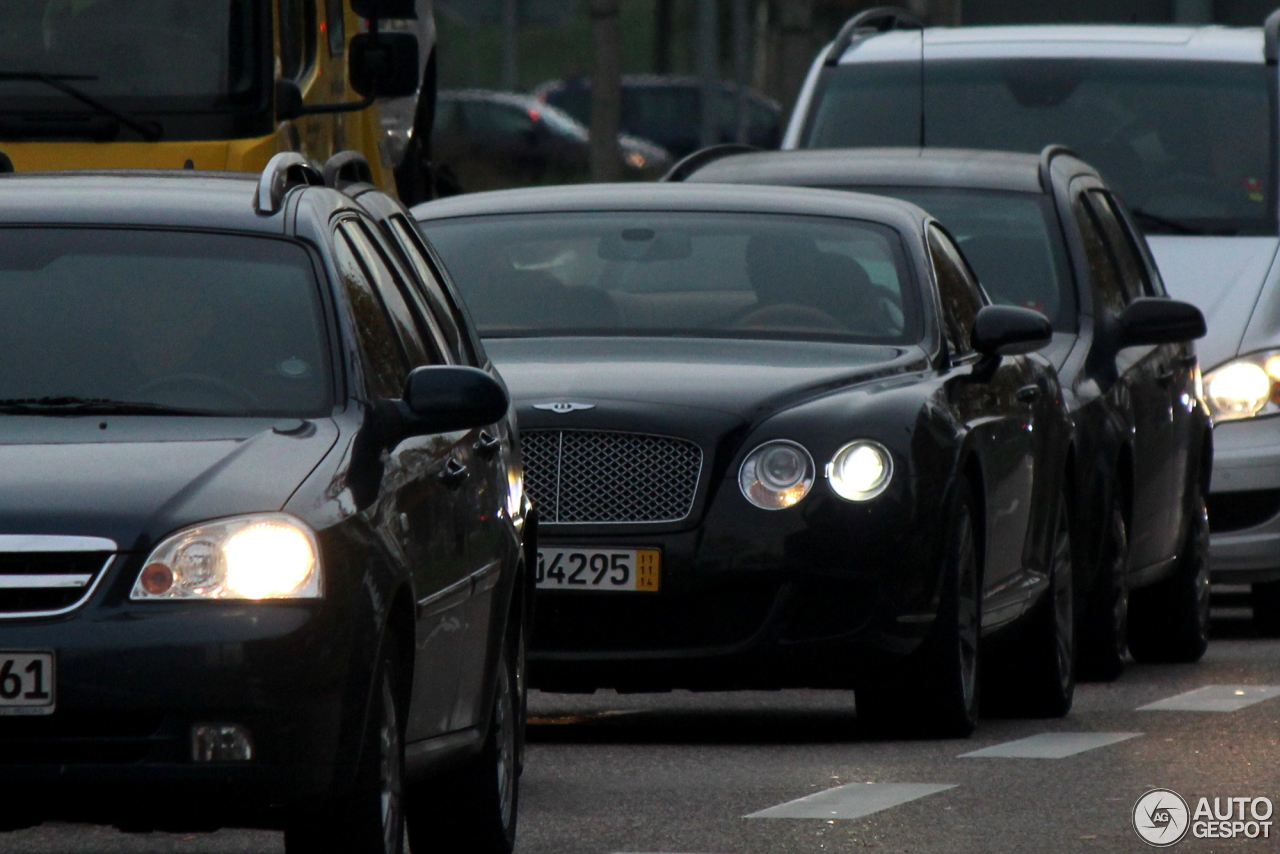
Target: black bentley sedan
1047, 232
776, 437
262, 531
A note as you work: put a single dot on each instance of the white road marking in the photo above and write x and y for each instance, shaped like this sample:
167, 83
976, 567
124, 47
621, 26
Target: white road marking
1215, 698
1051, 745
852, 800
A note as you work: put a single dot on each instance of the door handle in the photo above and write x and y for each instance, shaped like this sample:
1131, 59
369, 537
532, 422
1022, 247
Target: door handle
487, 445
454, 474
1029, 393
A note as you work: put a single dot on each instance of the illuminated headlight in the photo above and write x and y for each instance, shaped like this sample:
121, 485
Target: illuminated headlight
776, 475
636, 159
1244, 387
263, 556
860, 470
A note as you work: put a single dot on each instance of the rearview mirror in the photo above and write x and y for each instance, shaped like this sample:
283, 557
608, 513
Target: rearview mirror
1009, 330
385, 64
1158, 320
447, 398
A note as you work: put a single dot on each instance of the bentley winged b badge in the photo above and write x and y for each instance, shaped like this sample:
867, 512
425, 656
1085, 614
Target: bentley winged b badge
563, 406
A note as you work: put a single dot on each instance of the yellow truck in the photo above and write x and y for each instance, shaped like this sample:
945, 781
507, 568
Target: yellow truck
218, 84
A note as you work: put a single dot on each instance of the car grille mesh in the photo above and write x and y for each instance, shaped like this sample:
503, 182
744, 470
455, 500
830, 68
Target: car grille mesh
596, 476
45, 583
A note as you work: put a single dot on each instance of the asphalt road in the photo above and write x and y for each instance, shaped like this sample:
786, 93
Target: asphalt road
683, 772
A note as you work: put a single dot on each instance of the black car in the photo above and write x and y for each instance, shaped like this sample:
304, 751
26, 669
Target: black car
1046, 232
262, 531
776, 437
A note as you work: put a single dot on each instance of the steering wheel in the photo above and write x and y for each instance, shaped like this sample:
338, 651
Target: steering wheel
218, 386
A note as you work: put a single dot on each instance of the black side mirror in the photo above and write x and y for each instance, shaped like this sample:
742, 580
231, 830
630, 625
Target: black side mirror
446, 398
385, 64
289, 103
1157, 320
1009, 330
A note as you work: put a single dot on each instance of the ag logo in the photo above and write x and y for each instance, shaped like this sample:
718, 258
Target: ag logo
563, 406
1161, 817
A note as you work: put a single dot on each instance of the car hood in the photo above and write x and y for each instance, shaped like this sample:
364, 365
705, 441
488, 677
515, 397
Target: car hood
743, 380
1223, 277
135, 479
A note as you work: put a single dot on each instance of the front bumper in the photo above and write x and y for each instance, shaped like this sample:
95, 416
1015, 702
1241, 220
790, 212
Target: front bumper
131, 682
1244, 501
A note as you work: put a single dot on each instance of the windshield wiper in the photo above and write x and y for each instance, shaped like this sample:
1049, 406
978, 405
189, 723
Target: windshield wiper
90, 406
1174, 225
150, 131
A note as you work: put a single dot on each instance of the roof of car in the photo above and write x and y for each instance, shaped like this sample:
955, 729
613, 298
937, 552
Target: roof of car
677, 197
171, 198
870, 167
1093, 41
518, 99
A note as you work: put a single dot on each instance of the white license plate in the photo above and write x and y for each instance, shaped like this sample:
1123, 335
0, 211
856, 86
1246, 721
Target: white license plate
26, 682
598, 569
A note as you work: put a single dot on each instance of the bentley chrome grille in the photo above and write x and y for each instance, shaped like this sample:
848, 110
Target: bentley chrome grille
44, 576
597, 476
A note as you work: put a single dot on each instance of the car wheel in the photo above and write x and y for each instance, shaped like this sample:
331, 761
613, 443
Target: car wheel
369, 819
936, 693
1265, 597
1169, 621
474, 810
1104, 628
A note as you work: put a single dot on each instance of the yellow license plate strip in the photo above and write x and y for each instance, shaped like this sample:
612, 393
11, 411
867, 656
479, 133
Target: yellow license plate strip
599, 569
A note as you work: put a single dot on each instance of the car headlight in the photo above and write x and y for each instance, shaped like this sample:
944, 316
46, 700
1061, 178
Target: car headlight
776, 475
636, 159
1244, 387
860, 470
262, 556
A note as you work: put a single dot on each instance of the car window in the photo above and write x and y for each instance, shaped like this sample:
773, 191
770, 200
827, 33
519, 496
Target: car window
1103, 270
1133, 275
389, 285
1134, 245
668, 273
374, 331
452, 324
494, 119
961, 298
296, 21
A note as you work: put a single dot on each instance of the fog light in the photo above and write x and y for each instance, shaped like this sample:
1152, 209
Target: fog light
221, 743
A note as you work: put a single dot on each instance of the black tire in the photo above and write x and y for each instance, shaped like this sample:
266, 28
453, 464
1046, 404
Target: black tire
1265, 598
369, 818
935, 694
1037, 679
474, 811
1104, 626
1169, 621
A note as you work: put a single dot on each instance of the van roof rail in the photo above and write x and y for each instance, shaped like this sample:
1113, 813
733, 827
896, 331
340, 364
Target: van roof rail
286, 170
1046, 160
691, 163
6, 165
881, 19
347, 167
1271, 38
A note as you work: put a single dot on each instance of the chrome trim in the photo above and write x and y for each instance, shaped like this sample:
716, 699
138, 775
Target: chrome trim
51, 581
55, 543
486, 577
88, 594
462, 586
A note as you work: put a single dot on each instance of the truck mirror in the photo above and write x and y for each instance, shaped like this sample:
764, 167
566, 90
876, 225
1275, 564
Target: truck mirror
384, 64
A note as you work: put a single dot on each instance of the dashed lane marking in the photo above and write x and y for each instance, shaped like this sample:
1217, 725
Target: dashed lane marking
1050, 745
852, 800
1214, 698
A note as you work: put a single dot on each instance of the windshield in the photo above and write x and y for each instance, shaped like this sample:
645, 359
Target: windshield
681, 274
182, 52
1190, 142
228, 325
1012, 241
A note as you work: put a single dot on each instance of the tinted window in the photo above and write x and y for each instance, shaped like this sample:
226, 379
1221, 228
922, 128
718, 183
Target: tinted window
961, 299
1107, 286
232, 325
373, 328
696, 274
391, 290
435, 301
1132, 274
484, 118
1188, 141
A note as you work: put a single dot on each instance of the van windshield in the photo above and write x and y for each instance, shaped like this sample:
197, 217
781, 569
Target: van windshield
1189, 145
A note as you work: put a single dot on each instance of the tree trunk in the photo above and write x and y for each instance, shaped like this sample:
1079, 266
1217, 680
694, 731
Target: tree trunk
606, 91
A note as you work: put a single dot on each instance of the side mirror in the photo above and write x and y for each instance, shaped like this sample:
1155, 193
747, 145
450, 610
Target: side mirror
1157, 320
1009, 330
384, 64
446, 398
289, 103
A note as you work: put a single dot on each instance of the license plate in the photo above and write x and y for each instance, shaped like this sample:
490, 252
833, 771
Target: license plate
26, 682
623, 570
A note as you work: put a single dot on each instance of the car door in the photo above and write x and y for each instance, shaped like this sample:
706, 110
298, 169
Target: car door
1141, 386
429, 523
998, 412
491, 545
